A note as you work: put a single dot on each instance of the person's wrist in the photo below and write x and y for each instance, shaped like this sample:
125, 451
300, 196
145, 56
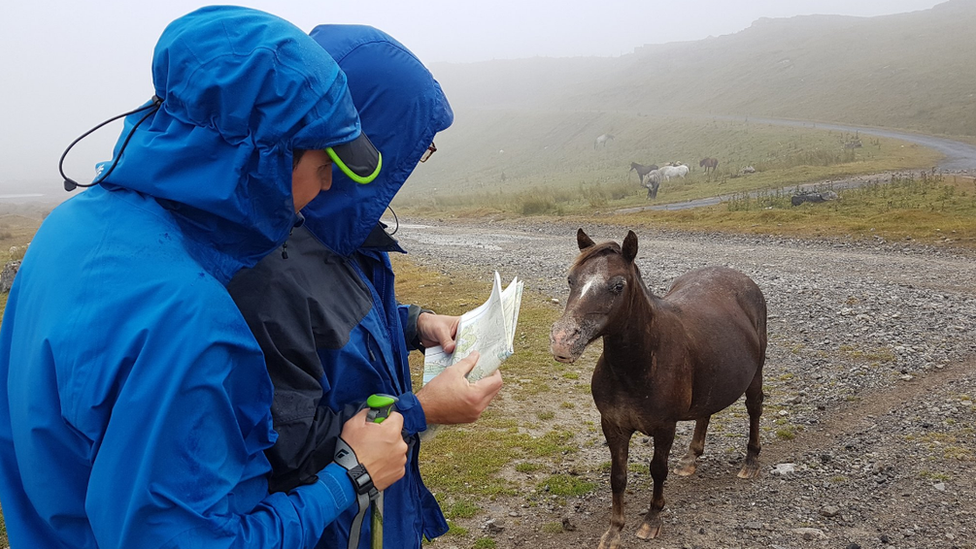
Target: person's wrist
416, 343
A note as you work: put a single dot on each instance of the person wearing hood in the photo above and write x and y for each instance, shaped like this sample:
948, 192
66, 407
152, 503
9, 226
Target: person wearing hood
325, 311
135, 404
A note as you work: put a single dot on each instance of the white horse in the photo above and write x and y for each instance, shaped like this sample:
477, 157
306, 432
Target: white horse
602, 140
674, 171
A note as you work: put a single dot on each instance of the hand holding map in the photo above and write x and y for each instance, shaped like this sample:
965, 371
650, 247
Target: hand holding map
488, 329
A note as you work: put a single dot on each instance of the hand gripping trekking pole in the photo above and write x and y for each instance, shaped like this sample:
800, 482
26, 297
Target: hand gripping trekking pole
380, 407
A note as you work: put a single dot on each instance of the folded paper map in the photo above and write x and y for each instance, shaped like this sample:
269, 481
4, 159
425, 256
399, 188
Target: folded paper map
488, 329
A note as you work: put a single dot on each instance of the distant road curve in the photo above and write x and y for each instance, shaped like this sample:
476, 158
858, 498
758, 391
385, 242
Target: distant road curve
959, 156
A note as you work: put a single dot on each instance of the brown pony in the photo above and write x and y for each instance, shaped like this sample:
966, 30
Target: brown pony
683, 356
708, 163
642, 170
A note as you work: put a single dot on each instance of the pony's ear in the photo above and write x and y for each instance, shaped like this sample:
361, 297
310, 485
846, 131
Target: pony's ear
630, 247
583, 240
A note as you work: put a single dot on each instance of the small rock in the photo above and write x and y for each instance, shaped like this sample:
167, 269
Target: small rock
853, 545
492, 527
810, 534
568, 526
753, 526
784, 469
940, 486
830, 511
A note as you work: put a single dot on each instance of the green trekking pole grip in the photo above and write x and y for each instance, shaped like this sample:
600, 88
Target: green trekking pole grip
380, 406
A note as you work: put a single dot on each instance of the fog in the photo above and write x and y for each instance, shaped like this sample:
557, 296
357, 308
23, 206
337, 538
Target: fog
67, 66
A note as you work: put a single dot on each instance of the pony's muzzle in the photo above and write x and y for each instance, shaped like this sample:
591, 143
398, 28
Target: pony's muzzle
564, 343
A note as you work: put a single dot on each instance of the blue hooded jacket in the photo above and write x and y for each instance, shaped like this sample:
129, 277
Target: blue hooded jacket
326, 315
134, 400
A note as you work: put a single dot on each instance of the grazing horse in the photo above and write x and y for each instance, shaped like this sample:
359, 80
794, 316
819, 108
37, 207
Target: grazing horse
678, 170
602, 140
652, 183
642, 170
683, 356
708, 163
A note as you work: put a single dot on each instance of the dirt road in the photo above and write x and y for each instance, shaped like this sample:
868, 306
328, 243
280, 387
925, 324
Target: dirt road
870, 422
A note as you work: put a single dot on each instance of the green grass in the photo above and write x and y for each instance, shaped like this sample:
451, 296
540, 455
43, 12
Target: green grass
566, 485
932, 210
528, 467
786, 433
460, 509
552, 528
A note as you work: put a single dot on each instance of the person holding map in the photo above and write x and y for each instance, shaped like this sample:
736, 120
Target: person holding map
324, 308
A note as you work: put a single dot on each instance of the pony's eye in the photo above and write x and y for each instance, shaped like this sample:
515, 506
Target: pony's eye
616, 287
569, 281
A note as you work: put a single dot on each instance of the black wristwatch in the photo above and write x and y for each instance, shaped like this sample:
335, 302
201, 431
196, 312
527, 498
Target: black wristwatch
361, 480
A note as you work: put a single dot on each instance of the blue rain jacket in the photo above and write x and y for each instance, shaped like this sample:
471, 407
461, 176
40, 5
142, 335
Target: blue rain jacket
134, 400
327, 315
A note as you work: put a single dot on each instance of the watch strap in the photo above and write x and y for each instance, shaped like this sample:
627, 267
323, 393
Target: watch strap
361, 481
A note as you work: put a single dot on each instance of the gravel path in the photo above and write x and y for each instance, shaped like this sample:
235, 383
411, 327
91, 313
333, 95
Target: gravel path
870, 377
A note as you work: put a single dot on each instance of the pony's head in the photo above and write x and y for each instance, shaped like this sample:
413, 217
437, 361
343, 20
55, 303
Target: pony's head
601, 281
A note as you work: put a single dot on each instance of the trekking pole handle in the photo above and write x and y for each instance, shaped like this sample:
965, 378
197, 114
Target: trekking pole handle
380, 406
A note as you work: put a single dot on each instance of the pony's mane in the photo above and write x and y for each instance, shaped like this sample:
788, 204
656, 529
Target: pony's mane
596, 250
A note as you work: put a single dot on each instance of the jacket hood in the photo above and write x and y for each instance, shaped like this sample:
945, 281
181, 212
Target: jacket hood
401, 107
240, 90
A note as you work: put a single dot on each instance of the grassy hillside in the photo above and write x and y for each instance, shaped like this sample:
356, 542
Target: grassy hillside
911, 71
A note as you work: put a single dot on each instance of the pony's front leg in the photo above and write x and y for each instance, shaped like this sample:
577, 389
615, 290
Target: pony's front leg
619, 442
651, 527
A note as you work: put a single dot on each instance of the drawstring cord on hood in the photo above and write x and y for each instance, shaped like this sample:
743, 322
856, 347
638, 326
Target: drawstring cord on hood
71, 184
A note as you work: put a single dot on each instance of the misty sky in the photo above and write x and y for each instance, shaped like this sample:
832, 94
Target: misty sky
68, 65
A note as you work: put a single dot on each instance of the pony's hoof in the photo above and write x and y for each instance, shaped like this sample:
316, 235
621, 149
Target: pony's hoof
749, 471
685, 469
646, 531
610, 540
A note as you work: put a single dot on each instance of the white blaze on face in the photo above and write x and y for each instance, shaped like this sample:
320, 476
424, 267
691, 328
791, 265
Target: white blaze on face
596, 279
